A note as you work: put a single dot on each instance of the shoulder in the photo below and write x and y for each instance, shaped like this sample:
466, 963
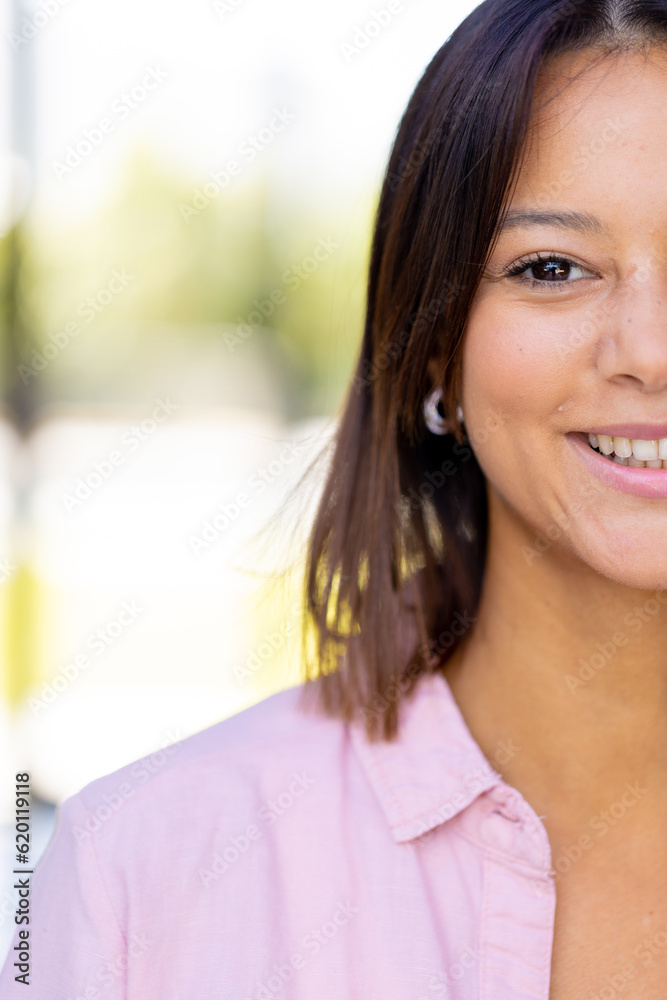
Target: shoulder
234, 765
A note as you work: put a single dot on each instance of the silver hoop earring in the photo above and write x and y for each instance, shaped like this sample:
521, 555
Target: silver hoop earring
435, 421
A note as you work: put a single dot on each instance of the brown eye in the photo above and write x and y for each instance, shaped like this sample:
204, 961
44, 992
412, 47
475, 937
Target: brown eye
547, 270
551, 270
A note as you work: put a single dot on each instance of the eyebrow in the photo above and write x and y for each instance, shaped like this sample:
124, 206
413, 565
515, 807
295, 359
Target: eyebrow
580, 222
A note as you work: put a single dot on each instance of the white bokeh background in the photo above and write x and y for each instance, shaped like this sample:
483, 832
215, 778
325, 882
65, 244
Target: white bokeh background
172, 672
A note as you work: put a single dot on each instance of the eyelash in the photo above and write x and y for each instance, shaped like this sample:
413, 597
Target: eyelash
518, 269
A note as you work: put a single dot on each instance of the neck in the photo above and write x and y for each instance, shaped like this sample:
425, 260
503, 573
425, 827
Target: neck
571, 668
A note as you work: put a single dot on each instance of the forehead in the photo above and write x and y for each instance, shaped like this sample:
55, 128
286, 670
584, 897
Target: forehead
569, 83
577, 95
597, 142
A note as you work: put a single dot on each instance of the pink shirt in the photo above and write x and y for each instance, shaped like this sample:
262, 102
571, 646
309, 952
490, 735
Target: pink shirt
278, 854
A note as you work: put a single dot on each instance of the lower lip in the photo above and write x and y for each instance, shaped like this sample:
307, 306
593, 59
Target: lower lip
642, 482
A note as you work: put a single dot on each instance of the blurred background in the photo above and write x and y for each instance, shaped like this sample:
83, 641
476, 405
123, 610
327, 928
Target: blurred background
186, 201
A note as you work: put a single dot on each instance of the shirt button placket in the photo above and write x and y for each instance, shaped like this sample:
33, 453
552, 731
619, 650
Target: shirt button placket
518, 907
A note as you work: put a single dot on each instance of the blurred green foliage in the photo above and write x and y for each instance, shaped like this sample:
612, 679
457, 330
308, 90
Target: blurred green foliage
191, 282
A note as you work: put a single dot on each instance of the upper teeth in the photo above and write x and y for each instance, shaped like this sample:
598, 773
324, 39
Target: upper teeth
643, 451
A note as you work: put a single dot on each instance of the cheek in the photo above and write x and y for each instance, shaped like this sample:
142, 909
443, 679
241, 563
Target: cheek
516, 378
517, 364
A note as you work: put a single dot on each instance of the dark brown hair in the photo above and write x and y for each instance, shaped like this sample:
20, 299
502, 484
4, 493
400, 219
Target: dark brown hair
396, 557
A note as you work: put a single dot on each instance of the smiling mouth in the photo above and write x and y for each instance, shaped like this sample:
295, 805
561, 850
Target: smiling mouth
641, 454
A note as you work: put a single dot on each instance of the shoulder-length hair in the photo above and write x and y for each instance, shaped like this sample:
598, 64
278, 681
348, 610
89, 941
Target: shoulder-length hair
401, 526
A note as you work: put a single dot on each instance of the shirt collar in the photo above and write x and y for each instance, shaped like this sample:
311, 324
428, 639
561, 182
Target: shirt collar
433, 770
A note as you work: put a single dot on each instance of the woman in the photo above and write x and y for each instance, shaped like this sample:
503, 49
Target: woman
475, 802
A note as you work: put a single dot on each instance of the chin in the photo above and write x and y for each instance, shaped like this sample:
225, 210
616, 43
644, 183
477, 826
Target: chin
638, 561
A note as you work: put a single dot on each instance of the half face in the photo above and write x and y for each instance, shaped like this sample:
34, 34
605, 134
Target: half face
566, 342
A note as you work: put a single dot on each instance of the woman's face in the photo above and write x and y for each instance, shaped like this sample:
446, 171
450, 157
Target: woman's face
578, 343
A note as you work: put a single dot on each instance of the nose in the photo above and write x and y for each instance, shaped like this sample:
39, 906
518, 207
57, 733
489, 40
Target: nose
633, 350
